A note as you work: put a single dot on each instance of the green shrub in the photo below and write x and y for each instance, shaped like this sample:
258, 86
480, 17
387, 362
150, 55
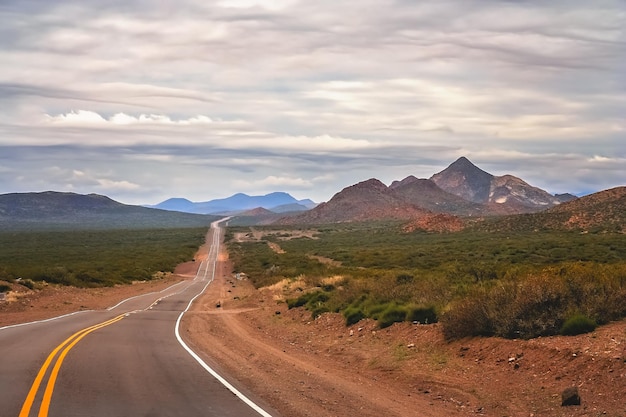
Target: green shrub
374, 310
578, 324
318, 311
392, 314
421, 314
300, 301
5, 288
353, 315
317, 298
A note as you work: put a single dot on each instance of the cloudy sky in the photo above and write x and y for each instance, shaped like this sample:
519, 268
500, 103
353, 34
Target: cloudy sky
145, 100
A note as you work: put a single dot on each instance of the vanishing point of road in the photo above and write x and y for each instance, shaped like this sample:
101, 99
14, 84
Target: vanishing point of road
128, 360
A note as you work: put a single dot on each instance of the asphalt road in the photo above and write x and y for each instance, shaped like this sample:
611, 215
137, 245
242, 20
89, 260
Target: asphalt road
128, 360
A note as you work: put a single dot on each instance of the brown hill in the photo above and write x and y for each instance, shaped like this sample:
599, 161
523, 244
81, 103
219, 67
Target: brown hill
605, 209
367, 200
601, 211
370, 200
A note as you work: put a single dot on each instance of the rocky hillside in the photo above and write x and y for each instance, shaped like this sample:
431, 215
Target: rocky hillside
464, 179
605, 209
426, 194
601, 211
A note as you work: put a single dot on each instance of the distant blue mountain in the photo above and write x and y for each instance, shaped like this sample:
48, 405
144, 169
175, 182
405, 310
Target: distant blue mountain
236, 203
176, 204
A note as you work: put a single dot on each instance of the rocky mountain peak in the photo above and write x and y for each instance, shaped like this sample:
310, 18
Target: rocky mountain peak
465, 180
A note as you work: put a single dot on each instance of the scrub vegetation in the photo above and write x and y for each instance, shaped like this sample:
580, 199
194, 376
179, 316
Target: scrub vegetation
94, 258
520, 284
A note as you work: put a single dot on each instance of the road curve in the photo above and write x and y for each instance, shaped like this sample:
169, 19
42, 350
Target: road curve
128, 360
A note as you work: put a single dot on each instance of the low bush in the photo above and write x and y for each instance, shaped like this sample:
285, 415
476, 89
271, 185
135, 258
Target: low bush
300, 301
5, 288
394, 313
318, 311
578, 324
420, 314
353, 315
313, 301
466, 317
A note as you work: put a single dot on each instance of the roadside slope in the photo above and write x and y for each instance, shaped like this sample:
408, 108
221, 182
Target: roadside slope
305, 367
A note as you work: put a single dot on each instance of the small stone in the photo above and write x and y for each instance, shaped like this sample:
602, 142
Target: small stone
570, 396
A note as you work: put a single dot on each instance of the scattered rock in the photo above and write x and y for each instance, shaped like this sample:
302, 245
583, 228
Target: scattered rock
570, 396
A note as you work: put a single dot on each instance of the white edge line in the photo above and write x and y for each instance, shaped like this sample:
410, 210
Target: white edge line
202, 363
43, 321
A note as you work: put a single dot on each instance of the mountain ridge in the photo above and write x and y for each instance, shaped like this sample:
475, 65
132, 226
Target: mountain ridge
52, 210
460, 190
236, 203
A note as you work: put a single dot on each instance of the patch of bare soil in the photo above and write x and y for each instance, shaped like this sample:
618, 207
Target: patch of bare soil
306, 367
255, 235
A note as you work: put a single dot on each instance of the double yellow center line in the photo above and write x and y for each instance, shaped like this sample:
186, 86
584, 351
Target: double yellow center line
64, 347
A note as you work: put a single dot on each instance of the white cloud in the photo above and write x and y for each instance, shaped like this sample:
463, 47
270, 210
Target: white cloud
112, 185
86, 117
601, 159
76, 118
